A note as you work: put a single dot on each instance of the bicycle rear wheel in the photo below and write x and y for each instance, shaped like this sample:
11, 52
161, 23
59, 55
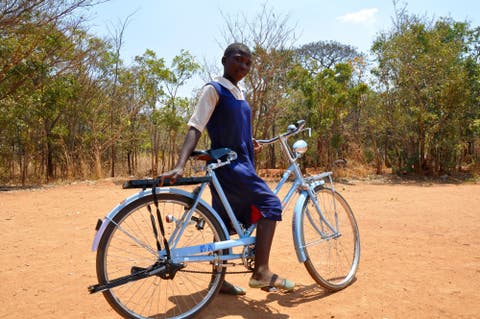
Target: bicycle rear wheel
129, 245
332, 257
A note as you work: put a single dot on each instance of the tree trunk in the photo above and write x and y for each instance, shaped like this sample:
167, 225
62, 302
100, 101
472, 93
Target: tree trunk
48, 155
24, 168
98, 163
114, 156
378, 158
129, 162
155, 148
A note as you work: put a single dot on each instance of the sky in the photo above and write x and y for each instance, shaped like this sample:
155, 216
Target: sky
168, 26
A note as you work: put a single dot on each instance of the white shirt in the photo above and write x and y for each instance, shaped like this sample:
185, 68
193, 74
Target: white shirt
208, 100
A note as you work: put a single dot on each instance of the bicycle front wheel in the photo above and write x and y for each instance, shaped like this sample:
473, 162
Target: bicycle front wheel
331, 243
129, 246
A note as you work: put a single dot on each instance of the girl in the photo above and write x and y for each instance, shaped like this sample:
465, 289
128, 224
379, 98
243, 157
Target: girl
223, 110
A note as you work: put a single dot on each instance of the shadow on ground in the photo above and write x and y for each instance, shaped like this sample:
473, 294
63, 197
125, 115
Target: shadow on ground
246, 307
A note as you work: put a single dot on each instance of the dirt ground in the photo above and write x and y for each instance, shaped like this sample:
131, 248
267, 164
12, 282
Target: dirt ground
420, 256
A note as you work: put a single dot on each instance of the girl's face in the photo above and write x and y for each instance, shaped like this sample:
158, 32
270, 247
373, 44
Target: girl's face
236, 66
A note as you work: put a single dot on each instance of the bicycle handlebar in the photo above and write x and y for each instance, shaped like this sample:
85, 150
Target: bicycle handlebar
292, 129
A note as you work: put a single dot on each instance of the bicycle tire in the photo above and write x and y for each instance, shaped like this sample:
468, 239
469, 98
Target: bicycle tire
183, 296
331, 262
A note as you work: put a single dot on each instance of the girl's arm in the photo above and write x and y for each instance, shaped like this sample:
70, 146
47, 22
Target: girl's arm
191, 140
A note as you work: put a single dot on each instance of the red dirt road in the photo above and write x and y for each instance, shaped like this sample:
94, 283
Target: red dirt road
420, 256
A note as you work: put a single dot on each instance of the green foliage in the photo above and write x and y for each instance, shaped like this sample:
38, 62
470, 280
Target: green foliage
70, 108
327, 99
422, 71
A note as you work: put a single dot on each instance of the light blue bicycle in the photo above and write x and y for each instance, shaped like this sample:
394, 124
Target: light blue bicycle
164, 252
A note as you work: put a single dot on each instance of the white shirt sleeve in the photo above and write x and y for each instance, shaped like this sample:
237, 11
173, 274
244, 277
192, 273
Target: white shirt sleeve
204, 108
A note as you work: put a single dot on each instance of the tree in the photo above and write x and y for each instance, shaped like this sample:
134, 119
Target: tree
326, 54
174, 111
30, 30
117, 44
422, 75
68, 105
328, 99
38, 53
165, 109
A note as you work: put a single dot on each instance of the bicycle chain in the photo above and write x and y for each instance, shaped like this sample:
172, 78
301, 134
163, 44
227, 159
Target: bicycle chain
226, 272
248, 263
209, 272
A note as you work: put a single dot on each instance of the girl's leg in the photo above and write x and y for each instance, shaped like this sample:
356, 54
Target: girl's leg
263, 277
265, 232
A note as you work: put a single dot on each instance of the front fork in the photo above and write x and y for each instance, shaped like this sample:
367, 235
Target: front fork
326, 230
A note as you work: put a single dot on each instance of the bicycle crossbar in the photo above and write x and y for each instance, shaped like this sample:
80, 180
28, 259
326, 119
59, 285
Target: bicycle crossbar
149, 183
190, 254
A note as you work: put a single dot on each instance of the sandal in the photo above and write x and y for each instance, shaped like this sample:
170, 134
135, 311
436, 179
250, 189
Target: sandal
285, 284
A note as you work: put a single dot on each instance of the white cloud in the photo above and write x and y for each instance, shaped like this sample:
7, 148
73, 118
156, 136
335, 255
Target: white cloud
362, 16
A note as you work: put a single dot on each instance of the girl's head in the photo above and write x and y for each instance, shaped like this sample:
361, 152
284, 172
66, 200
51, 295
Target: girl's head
236, 61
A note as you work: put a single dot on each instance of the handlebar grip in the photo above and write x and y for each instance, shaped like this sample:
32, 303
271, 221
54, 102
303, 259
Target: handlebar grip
300, 124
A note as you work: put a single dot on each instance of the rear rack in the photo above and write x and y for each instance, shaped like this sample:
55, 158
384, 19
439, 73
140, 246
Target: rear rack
155, 182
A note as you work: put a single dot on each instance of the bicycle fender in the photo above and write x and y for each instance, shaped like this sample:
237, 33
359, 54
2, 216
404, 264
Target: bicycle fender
297, 224
160, 190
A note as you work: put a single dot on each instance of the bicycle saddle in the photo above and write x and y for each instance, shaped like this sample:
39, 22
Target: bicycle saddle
209, 155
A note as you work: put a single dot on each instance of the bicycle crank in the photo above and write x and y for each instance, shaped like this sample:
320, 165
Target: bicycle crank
164, 270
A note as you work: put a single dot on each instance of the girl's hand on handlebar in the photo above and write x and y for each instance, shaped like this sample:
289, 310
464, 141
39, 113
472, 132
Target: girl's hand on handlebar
257, 147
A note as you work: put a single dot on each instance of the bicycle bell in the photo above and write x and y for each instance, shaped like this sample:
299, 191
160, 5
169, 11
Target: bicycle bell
300, 147
291, 128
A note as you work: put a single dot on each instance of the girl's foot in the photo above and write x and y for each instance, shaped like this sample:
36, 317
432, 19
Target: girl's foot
275, 281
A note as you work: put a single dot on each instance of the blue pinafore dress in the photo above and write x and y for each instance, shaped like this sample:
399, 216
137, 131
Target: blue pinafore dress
230, 126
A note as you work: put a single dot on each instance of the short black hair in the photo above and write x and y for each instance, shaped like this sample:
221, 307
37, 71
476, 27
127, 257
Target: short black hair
236, 47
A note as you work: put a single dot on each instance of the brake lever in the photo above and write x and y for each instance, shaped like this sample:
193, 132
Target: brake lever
309, 129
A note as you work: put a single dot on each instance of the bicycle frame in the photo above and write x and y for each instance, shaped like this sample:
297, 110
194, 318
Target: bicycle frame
304, 186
